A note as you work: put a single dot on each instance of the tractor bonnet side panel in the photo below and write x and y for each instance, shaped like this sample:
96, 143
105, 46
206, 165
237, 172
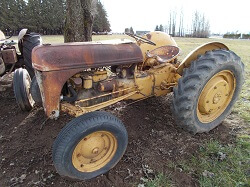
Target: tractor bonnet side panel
84, 55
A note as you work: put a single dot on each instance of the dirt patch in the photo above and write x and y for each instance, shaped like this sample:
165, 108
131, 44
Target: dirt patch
155, 141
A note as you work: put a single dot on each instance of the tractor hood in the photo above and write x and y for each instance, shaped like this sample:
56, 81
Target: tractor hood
85, 55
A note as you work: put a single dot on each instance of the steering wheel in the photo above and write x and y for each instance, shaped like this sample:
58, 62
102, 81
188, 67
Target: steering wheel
141, 39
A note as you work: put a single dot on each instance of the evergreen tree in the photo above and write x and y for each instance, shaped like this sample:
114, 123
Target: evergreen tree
132, 30
43, 16
161, 28
101, 22
156, 28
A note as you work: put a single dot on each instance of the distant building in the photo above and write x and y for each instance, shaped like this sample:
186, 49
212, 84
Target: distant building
142, 32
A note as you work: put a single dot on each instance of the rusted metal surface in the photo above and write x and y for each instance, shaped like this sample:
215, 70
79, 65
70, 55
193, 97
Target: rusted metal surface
9, 56
148, 36
73, 58
51, 84
108, 85
164, 54
84, 55
77, 82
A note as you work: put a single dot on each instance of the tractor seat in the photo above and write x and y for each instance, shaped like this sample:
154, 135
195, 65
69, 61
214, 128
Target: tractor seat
164, 54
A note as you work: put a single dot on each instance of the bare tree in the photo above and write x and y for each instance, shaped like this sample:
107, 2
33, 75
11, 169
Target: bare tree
79, 20
200, 26
172, 23
181, 27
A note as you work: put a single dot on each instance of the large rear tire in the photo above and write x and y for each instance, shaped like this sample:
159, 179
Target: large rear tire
21, 84
28, 42
89, 145
208, 90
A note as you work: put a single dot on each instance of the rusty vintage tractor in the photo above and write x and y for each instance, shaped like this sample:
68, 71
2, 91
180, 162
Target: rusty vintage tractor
80, 78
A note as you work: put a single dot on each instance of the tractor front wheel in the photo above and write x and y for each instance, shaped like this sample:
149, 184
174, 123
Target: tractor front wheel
207, 90
21, 84
89, 145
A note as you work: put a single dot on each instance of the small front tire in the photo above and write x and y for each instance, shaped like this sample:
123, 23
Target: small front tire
21, 84
89, 145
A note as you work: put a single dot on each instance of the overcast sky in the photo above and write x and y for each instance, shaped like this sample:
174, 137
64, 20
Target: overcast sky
224, 15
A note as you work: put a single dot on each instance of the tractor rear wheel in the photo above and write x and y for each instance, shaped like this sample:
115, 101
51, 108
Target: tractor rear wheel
207, 90
21, 84
89, 145
29, 41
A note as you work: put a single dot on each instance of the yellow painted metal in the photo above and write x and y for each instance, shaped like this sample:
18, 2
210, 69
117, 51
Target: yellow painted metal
156, 81
100, 76
216, 96
77, 110
159, 38
88, 82
164, 75
199, 51
94, 151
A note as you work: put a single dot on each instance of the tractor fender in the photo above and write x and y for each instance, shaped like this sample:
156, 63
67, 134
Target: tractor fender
22, 34
2, 36
193, 55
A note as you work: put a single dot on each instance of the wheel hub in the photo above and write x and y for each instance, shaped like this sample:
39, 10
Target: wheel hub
215, 96
94, 151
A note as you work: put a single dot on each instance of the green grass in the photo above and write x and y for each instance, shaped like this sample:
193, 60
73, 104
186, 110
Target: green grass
159, 181
215, 165
233, 170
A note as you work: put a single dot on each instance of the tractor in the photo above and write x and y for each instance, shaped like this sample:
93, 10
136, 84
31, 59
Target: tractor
81, 78
10, 59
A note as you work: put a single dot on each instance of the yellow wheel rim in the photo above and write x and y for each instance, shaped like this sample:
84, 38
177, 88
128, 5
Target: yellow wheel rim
216, 96
94, 151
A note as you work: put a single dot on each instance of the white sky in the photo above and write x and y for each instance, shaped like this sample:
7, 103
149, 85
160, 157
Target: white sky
223, 15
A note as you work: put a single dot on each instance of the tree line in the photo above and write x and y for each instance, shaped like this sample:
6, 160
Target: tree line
44, 16
236, 36
199, 28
